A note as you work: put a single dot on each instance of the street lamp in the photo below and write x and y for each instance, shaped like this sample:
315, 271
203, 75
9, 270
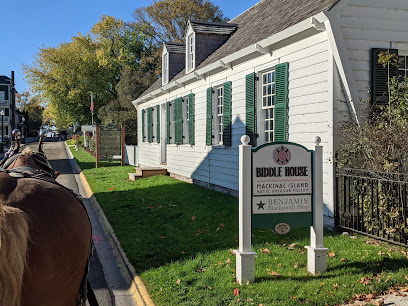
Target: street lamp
2, 136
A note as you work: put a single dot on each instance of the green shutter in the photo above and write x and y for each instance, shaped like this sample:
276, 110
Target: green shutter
143, 125
250, 107
168, 122
158, 123
281, 102
191, 119
227, 117
379, 78
150, 124
178, 120
209, 117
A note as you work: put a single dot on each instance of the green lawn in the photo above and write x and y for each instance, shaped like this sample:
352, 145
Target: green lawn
180, 237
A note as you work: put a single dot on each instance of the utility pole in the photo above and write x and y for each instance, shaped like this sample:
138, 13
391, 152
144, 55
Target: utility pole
13, 103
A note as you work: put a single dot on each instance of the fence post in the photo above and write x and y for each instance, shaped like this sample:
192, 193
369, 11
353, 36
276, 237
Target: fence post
316, 252
122, 145
97, 145
245, 264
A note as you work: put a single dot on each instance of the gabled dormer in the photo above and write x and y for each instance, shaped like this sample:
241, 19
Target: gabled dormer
203, 38
173, 60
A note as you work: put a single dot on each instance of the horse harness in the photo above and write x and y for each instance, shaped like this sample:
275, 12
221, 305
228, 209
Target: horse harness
48, 175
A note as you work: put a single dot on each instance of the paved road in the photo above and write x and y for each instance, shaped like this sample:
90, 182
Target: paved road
57, 155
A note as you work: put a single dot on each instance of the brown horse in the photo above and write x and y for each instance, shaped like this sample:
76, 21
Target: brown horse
45, 236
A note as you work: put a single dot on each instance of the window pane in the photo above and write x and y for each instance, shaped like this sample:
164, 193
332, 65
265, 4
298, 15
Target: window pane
269, 77
264, 80
269, 89
264, 90
269, 101
401, 62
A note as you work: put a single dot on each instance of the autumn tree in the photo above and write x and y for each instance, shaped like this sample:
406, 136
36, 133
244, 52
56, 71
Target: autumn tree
166, 21
32, 109
66, 75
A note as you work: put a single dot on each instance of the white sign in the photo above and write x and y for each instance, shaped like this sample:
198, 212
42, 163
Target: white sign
281, 179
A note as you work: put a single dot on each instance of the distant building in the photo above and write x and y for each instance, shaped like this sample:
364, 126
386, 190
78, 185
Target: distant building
284, 70
5, 104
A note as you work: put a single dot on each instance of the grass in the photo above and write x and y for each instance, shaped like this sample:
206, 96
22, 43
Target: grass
180, 237
69, 142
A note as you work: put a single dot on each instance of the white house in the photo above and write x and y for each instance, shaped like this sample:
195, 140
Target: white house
284, 70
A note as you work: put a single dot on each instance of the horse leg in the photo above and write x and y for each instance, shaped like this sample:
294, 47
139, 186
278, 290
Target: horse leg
13, 250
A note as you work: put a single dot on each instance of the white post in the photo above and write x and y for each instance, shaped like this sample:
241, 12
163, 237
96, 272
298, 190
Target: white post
245, 267
316, 252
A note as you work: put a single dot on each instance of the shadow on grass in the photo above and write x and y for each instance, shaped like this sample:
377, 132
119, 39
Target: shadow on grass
370, 268
157, 225
173, 221
92, 165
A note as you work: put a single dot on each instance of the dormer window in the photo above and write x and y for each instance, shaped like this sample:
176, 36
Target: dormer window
165, 68
190, 52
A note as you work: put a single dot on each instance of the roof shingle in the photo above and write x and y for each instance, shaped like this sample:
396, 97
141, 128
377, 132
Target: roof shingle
259, 22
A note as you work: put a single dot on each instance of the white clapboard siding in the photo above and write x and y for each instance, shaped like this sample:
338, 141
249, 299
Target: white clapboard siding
308, 113
367, 24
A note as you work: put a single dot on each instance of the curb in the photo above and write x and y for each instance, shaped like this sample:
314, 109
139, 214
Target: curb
137, 288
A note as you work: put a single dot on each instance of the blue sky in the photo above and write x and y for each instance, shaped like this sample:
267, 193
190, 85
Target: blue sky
28, 25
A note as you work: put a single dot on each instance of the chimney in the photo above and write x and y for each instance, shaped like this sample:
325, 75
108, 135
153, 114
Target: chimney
13, 102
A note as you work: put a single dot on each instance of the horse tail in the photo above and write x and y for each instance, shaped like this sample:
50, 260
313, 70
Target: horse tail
13, 253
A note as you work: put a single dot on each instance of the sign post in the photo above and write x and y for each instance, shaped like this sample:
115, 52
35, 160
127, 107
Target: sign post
280, 187
245, 257
316, 252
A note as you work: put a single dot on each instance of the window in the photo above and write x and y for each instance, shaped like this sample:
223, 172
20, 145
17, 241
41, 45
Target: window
379, 79
151, 124
185, 107
219, 115
190, 52
267, 115
266, 105
143, 125
402, 66
165, 69
180, 120
2, 95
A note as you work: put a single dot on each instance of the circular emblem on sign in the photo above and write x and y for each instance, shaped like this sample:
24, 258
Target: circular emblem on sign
281, 155
282, 228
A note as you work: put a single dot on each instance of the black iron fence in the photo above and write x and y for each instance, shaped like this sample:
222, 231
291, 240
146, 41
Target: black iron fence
373, 204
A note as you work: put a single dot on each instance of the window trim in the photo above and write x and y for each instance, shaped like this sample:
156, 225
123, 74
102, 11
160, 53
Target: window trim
401, 53
165, 68
186, 119
217, 115
261, 109
190, 52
